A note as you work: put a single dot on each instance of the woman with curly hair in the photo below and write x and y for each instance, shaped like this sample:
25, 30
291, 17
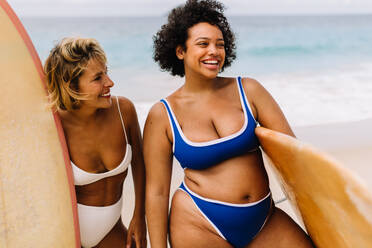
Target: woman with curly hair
208, 125
103, 139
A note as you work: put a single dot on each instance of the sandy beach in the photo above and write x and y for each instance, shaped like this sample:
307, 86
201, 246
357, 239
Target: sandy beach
350, 143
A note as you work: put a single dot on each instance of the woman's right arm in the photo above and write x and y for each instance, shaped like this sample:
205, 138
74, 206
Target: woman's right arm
157, 150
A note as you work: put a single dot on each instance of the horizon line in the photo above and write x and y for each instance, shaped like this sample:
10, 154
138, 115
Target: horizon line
228, 15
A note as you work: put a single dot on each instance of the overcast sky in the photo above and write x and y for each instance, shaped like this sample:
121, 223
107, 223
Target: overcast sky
161, 7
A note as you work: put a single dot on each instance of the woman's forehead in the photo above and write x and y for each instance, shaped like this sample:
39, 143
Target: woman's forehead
204, 30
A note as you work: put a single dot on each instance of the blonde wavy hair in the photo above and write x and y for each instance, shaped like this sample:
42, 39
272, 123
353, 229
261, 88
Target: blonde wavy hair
66, 62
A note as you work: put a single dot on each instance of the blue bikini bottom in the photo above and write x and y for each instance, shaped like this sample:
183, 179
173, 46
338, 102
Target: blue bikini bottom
236, 223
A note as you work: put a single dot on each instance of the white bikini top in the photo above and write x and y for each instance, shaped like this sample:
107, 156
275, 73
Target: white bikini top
82, 177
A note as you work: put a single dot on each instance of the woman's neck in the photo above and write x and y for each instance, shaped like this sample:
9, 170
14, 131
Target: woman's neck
195, 84
83, 115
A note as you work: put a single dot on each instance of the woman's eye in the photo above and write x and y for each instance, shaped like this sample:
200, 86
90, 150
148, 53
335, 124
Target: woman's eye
221, 45
97, 78
203, 44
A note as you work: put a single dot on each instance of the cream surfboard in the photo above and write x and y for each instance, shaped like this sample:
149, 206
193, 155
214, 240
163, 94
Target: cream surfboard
37, 198
335, 207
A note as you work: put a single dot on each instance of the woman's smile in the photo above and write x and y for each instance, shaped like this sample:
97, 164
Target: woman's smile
212, 64
106, 95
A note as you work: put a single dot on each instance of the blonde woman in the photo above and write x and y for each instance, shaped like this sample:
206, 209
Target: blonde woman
103, 138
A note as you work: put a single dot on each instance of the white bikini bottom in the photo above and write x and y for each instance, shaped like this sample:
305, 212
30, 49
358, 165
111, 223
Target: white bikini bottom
96, 222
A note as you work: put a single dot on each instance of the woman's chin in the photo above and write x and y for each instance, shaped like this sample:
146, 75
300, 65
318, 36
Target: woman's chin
108, 104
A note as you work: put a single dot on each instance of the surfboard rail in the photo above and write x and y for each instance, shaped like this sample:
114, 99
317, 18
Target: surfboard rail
21, 71
335, 206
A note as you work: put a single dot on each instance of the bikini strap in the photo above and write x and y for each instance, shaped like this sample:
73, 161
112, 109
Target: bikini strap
173, 123
122, 122
170, 113
243, 97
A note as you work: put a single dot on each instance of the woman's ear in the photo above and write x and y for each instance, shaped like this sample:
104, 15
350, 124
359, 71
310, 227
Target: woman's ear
180, 52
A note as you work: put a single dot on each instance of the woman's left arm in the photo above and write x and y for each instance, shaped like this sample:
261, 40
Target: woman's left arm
137, 226
265, 108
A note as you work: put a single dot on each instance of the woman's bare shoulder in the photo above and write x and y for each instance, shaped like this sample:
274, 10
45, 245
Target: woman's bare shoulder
124, 103
127, 108
251, 84
157, 112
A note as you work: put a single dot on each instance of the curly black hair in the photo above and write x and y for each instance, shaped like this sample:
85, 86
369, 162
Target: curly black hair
175, 33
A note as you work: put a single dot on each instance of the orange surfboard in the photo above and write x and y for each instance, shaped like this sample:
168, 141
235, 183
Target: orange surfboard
37, 196
335, 207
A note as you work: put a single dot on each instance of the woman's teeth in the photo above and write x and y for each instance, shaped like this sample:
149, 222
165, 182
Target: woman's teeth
211, 62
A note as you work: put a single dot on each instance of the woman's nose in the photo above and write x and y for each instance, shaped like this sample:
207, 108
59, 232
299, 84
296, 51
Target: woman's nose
108, 82
212, 49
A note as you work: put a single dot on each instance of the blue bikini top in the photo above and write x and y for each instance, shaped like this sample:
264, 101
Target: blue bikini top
202, 155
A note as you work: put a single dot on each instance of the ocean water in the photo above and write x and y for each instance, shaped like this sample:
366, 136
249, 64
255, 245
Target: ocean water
318, 68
